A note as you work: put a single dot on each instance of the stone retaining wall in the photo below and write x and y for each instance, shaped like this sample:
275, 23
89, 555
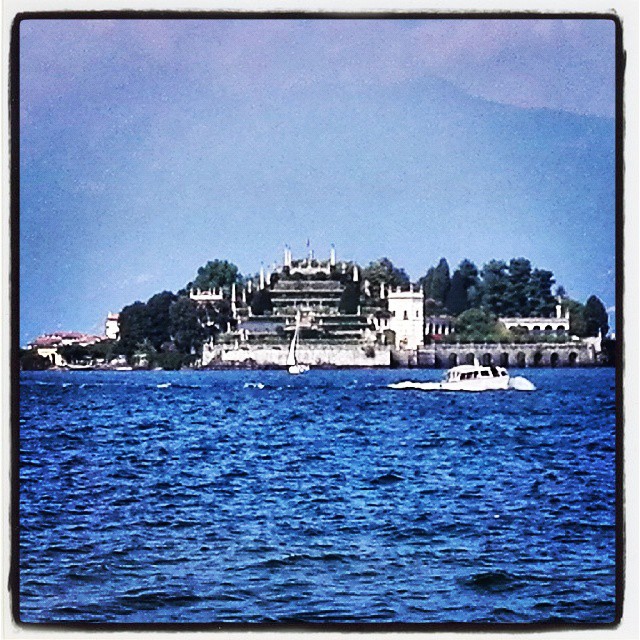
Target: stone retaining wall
317, 355
567, 354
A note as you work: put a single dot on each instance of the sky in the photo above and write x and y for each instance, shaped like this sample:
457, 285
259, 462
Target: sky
148, 147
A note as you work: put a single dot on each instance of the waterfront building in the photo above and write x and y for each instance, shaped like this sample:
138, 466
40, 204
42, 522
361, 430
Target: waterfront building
559, 324
112, 326
321, 296
314, 288
439, 326
406, 309
48, 345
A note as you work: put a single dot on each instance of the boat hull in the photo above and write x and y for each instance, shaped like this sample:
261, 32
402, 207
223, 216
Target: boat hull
297, 369
492, 384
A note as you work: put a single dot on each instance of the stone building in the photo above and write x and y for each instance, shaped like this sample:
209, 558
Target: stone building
439, 326
112, 326
406, 309
315, 289
559, 324
48, 345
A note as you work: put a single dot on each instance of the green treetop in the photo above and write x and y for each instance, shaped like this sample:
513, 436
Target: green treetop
495, 282
596, 317
215, 274
383, 271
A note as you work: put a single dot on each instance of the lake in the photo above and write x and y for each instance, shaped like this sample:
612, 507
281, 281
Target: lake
255, 496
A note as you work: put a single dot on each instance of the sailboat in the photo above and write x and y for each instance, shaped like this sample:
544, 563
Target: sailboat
293, 367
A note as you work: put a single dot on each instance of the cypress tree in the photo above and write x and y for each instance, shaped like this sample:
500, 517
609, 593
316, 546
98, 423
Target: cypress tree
517, 293
596, 317
541, 300
440, 282
494, 287
457, 300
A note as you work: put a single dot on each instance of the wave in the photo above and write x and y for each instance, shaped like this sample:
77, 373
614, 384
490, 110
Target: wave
492, 581
388, 478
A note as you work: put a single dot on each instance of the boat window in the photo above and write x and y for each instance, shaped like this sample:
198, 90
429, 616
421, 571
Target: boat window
495, 372
475, 374
485, 374
503, 373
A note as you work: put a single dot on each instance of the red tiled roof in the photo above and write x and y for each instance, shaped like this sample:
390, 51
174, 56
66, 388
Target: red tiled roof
53, 339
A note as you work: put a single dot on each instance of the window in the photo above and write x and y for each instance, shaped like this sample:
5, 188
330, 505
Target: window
406, 315
417, 314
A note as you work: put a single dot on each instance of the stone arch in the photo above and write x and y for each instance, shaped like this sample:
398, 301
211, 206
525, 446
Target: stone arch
536, 328
453, 359
487, 360
554, 359
548, 328
470, 358
537, 359
521, 359
504, 359
561, 329
573, 359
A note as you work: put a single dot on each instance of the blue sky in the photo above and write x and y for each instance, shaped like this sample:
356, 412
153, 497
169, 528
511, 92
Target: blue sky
149, 147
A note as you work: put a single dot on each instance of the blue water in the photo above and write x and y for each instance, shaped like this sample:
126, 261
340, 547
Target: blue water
258, 496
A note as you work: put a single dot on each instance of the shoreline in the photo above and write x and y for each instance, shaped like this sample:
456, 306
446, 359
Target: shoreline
275, 367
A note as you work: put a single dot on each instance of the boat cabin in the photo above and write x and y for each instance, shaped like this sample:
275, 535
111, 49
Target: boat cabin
473, 372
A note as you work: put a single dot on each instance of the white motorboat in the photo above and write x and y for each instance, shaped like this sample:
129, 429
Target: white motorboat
294, 367
464, 377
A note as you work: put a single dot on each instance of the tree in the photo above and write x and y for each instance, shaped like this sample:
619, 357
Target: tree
31, 360
596, 317
516, 302
215, 274
350, 298
541, 300
457, 301
426, 281
216, 317
577, 321
464, 289
383, 271
74, 353
441, 282
494, 286
144, 355
134, 327
261, 302
103, 350
159, 323
476, 325
186, 331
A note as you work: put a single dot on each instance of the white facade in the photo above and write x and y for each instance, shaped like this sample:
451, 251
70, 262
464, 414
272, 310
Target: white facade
559, 323
407, 318
439, 325
210, 295
112, 326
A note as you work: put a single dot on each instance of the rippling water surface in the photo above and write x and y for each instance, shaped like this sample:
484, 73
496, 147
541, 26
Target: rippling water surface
259, 496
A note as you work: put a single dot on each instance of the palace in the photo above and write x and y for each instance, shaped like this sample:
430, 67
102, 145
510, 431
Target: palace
345, 320
337, 305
